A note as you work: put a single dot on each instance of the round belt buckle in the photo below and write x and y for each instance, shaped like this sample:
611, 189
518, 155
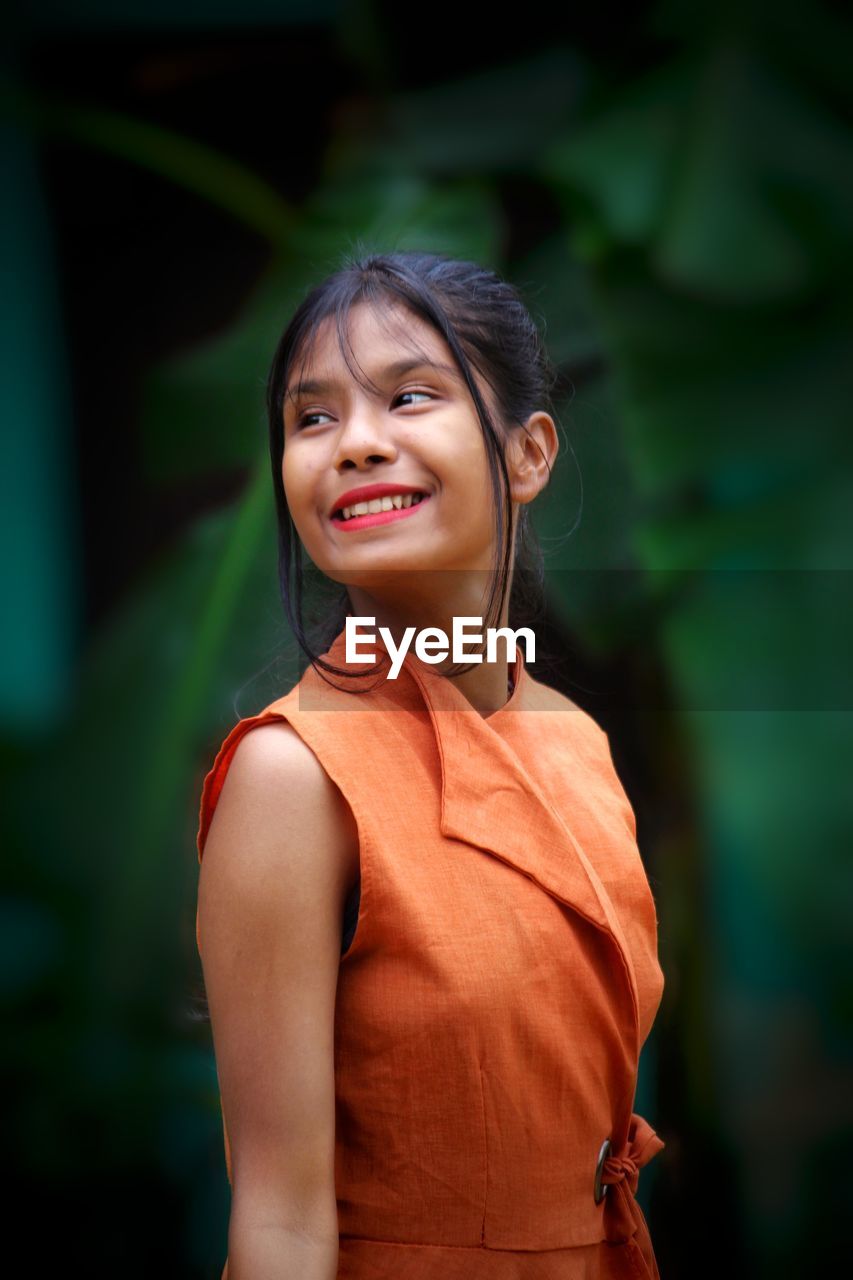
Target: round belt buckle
599, 1190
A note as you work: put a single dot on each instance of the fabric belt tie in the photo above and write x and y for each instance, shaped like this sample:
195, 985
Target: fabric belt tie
623, 1217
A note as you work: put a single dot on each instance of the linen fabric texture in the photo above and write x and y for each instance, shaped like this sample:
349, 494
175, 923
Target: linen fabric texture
500, 984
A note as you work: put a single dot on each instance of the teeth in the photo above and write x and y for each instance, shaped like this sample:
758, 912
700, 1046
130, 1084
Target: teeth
394, 502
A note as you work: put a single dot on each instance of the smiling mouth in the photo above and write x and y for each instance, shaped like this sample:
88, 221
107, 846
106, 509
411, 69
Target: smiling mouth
386, 515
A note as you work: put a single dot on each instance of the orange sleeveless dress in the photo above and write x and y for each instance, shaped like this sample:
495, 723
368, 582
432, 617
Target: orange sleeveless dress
500, 984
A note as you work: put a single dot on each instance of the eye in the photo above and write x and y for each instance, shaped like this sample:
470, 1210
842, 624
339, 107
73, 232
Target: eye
305, 419
415, 393
302, 421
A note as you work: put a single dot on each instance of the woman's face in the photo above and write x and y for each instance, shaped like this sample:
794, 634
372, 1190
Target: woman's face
419, 431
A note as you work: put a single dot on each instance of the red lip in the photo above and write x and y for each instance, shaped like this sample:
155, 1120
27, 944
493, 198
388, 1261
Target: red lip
355, 523
368, 491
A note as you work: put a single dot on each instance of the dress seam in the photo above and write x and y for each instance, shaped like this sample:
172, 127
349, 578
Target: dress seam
485, 1156
485, 1248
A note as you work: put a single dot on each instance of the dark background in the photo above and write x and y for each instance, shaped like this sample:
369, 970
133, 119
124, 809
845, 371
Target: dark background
672, 189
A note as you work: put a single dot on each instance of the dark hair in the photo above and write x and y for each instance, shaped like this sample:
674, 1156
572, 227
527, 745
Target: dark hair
486, 325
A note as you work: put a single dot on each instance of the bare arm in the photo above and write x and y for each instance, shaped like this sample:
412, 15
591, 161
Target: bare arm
280, 855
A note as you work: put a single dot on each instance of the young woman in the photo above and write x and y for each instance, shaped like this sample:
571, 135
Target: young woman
428, 941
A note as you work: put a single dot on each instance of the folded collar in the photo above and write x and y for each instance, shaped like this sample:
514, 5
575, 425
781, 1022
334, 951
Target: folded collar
491, 798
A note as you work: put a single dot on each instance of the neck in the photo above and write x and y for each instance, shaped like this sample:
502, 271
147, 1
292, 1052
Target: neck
486, 685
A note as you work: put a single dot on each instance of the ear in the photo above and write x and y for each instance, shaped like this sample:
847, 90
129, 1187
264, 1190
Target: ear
531, 452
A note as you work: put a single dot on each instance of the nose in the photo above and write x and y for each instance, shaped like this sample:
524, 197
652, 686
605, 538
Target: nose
364, 438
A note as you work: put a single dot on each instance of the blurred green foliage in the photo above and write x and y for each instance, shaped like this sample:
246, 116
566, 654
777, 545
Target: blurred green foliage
700, 279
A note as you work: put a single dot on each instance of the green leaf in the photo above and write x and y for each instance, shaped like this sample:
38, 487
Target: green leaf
493, 121
712, 395
612, 169
757, 167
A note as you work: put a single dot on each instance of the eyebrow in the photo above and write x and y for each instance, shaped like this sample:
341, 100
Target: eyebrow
320, 386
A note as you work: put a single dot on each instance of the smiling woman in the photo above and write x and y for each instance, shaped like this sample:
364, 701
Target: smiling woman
407, 438
447, 1090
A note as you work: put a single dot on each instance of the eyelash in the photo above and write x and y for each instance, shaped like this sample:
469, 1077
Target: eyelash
318, 413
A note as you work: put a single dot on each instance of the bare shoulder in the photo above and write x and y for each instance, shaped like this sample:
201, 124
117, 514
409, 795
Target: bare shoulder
277, 862
279, 803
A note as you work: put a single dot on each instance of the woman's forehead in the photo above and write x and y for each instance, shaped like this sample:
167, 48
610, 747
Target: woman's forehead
373, 335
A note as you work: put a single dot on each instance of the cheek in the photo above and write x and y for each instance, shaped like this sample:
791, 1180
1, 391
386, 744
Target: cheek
460, 457
472, 465
294, 479
299, 480
294, 496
